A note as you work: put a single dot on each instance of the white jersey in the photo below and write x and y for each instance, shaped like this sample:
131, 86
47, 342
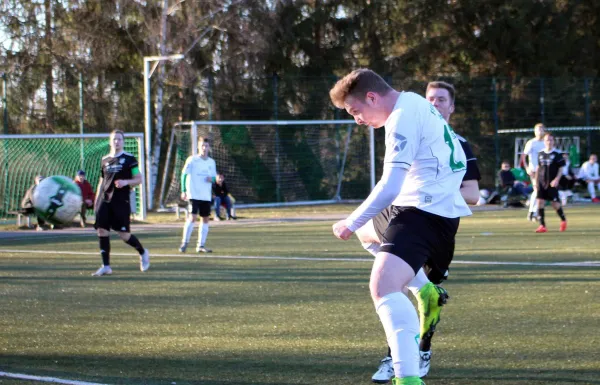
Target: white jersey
532, 149
588, 171
197, 169
418, 139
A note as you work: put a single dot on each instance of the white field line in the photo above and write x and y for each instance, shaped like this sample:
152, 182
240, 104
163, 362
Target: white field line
46, 379
212, 256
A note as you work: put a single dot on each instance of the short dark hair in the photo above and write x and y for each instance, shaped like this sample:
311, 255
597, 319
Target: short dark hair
505, 161
441, 84
202, 139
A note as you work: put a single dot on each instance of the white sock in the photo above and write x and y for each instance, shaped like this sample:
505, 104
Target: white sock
203, 233
533, 203
372, 248
401, 324
188, 229
591, 190
418, 282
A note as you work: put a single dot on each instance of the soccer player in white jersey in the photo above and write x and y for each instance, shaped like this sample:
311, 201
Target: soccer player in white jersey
430, 297
423, 169
197, 177
588, 173
532, 148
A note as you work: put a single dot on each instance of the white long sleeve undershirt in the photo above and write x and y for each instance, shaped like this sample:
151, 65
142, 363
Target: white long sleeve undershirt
384, 193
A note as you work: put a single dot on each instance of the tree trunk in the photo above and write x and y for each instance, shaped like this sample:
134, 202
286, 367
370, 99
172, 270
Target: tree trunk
48, 68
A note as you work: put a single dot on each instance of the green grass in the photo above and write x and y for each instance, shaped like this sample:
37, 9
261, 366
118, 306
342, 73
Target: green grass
259, 321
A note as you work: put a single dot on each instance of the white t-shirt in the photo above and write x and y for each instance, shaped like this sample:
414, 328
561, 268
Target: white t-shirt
588, 171
197, 169
419, 140
532, 148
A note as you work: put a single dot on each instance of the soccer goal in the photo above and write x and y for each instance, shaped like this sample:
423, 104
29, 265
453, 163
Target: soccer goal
22, 157
278, 163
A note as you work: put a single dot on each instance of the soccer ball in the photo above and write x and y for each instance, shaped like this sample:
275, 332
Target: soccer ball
57, 199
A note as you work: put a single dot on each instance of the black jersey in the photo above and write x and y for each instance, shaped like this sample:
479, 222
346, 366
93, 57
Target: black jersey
114, 168
472, 169
548, 165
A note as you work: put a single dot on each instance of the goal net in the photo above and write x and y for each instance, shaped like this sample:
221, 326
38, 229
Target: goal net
276, 163
22, 157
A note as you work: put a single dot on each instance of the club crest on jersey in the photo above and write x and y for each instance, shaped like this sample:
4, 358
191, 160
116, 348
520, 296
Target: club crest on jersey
122, 160
402, 142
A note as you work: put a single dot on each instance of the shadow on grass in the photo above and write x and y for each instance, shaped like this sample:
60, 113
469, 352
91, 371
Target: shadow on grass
268, 369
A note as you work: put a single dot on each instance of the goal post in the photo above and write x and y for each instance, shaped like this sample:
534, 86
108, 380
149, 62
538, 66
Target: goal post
22, 157
277, 163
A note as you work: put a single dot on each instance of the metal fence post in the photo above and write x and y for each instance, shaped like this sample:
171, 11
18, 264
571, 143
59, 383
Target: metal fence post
586, 85
496, 124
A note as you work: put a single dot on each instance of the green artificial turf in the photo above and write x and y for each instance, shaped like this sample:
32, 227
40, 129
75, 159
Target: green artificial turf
207, 320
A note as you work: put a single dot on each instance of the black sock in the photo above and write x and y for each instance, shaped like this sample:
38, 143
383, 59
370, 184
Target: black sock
561, 214
389, 353
542, 218
135, 243
105, 250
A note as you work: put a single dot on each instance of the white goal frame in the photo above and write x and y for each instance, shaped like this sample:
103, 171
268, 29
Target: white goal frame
210, 123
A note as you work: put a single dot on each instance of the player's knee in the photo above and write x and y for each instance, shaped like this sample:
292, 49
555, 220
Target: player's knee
103, 233
124, 236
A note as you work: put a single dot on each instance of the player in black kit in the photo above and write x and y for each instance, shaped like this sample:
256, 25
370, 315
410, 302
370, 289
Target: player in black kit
547, 177
119, 173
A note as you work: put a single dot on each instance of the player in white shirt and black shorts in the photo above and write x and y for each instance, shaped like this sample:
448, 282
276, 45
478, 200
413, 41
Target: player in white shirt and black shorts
430, 297
532, 148
197, 177
547, 178
423, 169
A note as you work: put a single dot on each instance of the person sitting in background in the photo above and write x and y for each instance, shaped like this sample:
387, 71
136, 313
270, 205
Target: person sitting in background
567, 180
27, 204
87, 194
588, 174
221, 194
509, 181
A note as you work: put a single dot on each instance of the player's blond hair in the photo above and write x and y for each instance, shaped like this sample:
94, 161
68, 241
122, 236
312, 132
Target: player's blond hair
357, 83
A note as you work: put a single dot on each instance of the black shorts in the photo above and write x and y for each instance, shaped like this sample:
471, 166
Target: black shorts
420, 238
547, 193
381, 221
196, 207
115, 215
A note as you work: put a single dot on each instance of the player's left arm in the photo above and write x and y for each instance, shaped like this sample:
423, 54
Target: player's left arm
134, 181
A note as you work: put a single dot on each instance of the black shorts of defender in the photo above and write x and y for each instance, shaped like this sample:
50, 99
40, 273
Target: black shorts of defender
115, 215
198, 207
547, 193
420, 238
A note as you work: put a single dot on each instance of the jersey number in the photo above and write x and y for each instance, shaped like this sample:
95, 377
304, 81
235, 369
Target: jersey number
448, 135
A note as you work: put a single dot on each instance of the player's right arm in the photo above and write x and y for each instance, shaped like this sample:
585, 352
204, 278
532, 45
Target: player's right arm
184, 176
527, 154
401, 144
